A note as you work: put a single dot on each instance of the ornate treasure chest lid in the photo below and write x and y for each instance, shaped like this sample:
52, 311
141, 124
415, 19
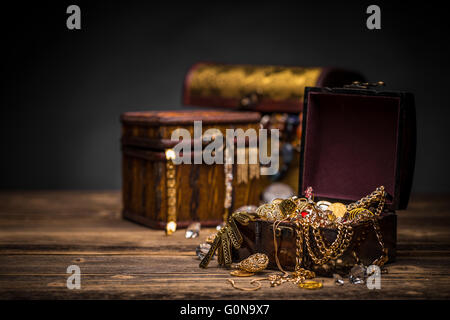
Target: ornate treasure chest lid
357, 139
260, 88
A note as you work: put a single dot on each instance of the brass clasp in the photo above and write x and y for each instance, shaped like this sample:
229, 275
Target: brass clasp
250, 100
365, 85
284, 232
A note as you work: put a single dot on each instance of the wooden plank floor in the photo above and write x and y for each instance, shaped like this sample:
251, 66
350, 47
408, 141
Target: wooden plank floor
42, 233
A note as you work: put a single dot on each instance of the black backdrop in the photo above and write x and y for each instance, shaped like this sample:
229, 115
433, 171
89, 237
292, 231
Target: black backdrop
63, 90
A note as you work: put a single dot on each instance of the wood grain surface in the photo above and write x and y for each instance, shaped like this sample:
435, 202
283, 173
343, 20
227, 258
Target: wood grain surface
42, 233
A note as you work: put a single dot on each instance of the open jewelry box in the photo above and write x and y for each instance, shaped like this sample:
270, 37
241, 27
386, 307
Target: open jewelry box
355, 139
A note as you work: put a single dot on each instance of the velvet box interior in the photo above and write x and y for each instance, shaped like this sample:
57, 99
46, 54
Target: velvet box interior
356, 140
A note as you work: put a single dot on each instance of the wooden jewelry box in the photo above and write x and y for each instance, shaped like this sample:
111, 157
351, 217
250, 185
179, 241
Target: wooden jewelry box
161, 194
355, 139
276, 91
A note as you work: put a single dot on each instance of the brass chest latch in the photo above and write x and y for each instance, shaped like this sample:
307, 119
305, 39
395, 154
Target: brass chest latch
365, 85
284, 232
250, 100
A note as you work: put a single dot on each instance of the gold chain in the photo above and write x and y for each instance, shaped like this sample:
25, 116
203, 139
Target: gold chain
171, 191
378, 195
338, 247
254, 281
299, 246
228, 175
384, 256
300, 274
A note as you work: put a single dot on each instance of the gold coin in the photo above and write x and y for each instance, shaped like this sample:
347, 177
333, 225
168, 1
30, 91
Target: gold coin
310, 285
241, 273
338, 209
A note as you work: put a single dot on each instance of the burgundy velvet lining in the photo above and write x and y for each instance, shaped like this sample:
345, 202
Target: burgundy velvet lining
350, 145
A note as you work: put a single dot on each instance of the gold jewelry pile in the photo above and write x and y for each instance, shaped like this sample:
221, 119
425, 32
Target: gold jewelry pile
308, 217
323, 213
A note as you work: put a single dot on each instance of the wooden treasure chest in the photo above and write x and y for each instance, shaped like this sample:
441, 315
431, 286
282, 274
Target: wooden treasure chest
358, 151
275, 91
161, 193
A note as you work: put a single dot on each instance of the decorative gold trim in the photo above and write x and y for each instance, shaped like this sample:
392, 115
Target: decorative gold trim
242, 81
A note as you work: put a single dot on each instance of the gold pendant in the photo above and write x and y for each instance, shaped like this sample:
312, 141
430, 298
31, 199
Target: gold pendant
254, 263
270, 211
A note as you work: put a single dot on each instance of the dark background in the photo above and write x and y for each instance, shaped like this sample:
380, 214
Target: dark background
63, 90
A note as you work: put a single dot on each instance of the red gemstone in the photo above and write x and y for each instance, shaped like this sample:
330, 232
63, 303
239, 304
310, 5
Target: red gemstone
304, 213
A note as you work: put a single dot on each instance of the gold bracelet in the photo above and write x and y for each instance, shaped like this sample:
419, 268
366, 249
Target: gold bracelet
258, 285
